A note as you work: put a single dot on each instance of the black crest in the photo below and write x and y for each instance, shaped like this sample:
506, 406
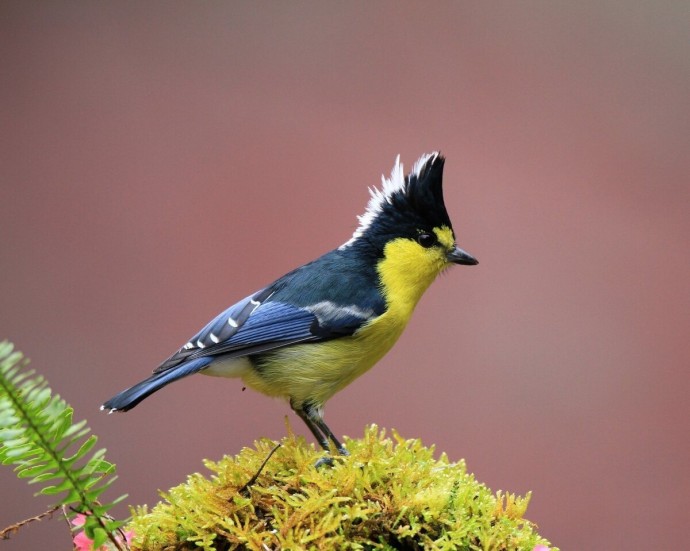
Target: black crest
406, 203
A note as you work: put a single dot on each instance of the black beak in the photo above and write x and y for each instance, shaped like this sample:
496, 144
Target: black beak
458, 256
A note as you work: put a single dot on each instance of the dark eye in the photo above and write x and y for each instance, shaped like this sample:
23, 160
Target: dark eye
426, 240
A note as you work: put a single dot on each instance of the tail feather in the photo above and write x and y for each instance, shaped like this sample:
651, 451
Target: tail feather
131, 396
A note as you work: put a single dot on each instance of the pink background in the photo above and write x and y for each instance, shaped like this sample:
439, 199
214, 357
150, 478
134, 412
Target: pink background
161, 160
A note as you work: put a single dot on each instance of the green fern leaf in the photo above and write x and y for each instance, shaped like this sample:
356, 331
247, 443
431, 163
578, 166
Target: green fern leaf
40, 438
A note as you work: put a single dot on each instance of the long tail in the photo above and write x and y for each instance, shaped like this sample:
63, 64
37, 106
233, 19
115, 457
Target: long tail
130, 397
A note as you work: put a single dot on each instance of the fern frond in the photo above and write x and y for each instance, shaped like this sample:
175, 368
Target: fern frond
40, 438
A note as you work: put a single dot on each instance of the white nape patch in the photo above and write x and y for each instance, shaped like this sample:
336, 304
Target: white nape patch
328, 311
379, 198
213, 338
232, 322
200, 344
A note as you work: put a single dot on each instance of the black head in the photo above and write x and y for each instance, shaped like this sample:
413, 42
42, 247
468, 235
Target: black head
407, 205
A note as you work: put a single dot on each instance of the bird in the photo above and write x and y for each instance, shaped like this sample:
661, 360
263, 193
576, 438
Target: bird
313, 331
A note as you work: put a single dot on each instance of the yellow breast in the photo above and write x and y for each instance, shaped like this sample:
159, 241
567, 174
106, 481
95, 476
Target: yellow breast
313, 372
406, 271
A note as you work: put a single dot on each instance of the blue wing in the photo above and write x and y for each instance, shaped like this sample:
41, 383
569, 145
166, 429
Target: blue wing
328, 298
258, 323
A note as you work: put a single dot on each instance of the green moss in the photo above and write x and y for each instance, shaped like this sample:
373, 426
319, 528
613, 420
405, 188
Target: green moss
390, 493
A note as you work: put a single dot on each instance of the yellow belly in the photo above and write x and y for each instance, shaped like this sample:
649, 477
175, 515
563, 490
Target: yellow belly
315, 372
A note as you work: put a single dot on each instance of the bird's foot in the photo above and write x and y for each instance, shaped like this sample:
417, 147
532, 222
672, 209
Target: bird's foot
328, 459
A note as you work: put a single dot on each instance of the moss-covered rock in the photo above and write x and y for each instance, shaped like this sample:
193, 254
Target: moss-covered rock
390, 493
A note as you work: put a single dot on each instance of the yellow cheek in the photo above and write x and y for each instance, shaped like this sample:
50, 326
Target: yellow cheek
408, 269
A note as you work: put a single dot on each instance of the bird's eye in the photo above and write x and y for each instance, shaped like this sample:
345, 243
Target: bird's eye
426, 240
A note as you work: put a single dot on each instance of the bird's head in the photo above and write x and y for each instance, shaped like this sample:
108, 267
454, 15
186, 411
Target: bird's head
407, 226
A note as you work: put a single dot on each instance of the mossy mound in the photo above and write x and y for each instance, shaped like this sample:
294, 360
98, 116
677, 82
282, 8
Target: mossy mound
390, 493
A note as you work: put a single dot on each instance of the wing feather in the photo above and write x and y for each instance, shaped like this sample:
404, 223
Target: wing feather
257, 324
220, 329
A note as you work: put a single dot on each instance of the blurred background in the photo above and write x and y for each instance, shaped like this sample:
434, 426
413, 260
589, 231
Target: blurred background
160, 161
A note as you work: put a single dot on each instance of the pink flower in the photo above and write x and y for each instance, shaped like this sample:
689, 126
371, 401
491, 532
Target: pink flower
83, 543
79, 520
541, 548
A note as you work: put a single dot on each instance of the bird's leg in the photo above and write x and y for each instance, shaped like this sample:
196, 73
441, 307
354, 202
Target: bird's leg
313, 418
329, 434
320, 438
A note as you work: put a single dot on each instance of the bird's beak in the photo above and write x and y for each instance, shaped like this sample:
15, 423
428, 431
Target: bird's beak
458, 256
